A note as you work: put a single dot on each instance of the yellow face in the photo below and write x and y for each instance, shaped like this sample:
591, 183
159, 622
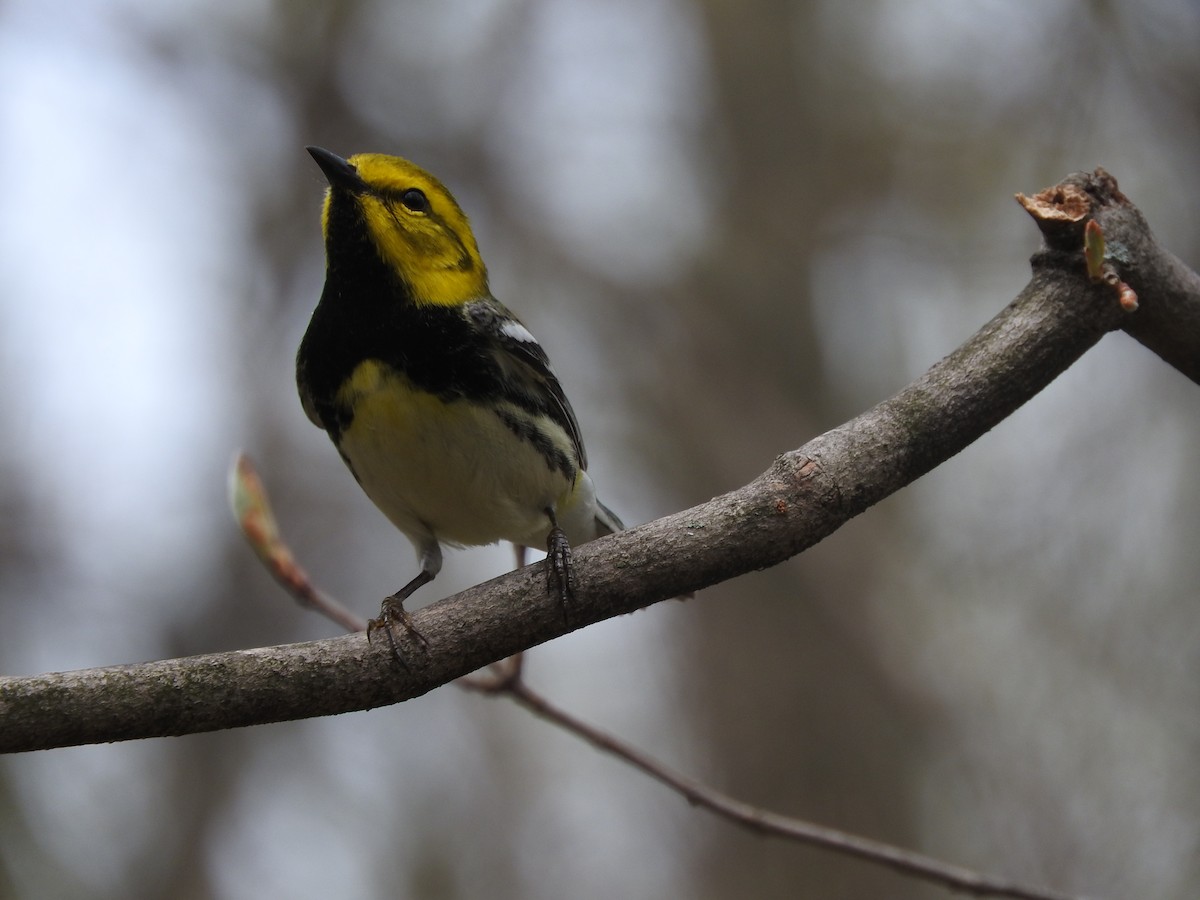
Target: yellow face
418, 230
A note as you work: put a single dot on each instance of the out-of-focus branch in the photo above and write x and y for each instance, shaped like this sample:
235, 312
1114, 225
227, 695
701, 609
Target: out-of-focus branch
510, 683
803, 497
253, 512
505, 679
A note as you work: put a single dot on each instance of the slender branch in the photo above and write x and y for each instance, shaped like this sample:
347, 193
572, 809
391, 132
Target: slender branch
801, 499
505, 678
763, 821
253, 512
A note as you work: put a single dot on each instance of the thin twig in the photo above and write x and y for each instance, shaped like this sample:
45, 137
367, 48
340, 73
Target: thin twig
505, 678
256, 518
763, 821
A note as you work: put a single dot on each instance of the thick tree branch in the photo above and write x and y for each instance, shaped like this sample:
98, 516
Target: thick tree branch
802, 498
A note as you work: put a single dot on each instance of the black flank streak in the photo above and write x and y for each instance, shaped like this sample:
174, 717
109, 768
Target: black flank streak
523, 428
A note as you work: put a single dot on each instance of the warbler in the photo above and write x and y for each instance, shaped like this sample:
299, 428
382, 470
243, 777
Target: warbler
441, 403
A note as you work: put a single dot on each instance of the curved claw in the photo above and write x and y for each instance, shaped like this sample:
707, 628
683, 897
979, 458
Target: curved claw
391, 614
560, 577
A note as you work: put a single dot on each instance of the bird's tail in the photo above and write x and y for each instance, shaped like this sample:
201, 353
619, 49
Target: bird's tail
607, 521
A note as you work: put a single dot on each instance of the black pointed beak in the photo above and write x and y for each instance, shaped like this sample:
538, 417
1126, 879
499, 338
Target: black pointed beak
339, 172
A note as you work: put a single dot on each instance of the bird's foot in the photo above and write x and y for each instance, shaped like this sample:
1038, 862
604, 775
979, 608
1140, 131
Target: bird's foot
560, 578
391, 614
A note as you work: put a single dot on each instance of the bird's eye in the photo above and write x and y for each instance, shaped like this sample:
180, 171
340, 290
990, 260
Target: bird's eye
415, 200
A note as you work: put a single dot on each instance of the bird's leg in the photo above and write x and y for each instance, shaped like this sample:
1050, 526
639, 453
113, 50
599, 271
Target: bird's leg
392, 611
558, 565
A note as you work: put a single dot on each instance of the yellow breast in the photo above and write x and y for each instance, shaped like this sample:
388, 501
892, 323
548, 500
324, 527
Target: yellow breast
447, 469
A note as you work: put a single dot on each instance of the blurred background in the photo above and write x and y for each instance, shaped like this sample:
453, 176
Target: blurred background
733, 226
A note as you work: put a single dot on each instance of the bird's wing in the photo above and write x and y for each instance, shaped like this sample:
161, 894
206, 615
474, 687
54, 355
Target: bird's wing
529, 379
